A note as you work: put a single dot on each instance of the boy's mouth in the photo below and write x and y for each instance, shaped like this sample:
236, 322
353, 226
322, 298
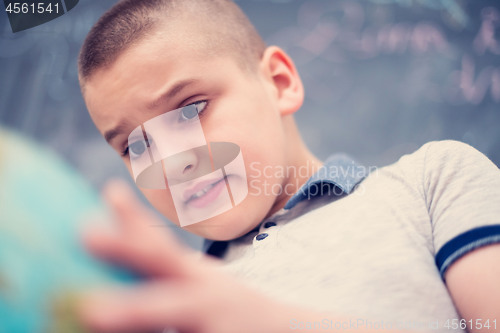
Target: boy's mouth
204, 192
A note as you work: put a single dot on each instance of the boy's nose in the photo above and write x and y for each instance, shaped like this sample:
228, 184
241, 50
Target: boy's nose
187, 165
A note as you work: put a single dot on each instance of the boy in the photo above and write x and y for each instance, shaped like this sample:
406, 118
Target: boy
409, 247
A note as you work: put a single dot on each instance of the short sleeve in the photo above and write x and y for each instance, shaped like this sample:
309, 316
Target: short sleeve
462, 193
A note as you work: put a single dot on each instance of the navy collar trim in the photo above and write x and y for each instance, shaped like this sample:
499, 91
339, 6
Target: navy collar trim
338, 176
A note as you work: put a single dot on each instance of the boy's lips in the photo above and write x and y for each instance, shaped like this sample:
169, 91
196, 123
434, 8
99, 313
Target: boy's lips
204, 192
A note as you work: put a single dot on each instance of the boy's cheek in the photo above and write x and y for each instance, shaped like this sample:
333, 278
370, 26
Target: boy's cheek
161, 199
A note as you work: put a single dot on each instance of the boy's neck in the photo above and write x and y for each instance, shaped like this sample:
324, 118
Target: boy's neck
300, 159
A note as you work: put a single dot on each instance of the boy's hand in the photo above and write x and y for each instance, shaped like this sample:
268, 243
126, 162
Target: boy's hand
181, 290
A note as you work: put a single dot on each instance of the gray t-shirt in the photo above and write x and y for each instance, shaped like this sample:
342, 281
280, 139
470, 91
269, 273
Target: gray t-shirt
378, 255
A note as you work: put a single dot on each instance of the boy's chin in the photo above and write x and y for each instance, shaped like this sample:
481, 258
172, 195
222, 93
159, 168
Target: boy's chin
226, 226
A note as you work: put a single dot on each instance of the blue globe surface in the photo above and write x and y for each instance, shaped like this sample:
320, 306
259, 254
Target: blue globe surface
43, 204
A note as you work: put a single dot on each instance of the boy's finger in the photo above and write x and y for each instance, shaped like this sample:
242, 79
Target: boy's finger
128, 210
135, 243
152, 306
149, 257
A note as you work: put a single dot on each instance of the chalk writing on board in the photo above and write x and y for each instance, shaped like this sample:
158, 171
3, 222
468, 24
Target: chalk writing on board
347, 32
471, 84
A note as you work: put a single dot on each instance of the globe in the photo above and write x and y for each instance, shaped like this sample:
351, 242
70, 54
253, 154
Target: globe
43, 265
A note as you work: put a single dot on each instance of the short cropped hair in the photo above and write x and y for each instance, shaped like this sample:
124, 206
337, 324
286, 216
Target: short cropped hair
130, 21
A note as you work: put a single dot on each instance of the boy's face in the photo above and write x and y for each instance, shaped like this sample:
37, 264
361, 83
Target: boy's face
164, 73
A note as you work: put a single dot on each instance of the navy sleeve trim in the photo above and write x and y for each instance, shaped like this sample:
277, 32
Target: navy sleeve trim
464, 243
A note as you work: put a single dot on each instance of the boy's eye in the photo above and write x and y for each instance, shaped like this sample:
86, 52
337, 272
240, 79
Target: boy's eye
192, 110
137, 148
186, 114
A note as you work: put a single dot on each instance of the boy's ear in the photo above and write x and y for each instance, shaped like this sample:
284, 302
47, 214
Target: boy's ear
281, 71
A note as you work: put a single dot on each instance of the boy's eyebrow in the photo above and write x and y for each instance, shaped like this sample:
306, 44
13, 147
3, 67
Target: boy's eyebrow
112, 133
171, 93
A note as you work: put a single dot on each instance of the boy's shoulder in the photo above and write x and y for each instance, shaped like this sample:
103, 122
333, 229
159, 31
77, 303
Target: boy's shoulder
449, 150
446, 161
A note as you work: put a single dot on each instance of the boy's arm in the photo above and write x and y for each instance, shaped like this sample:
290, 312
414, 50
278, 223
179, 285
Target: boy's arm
461, 187
473, 282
